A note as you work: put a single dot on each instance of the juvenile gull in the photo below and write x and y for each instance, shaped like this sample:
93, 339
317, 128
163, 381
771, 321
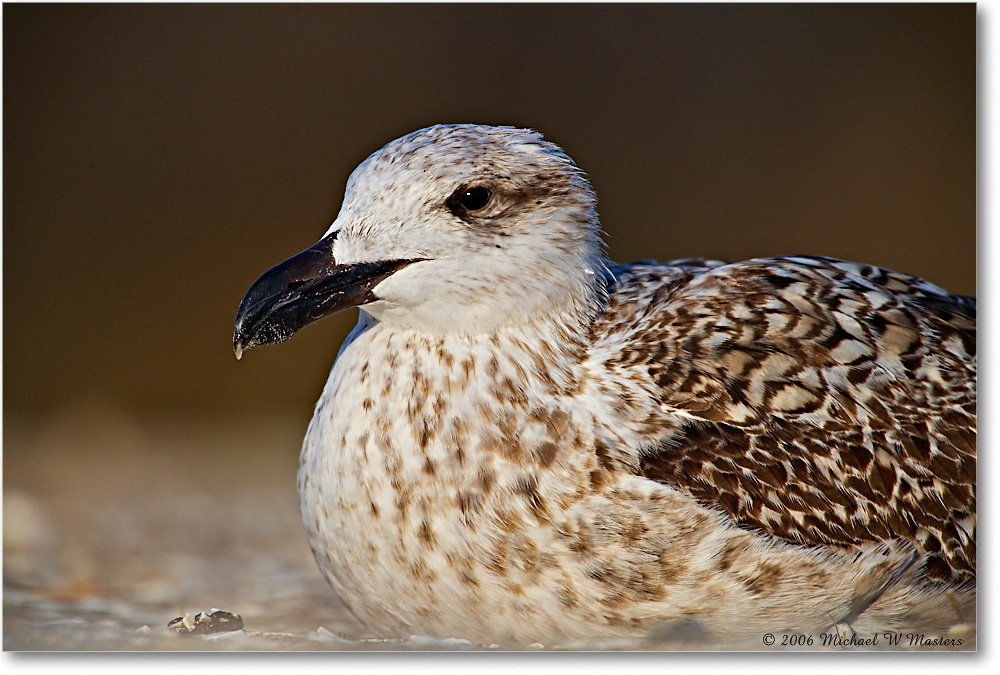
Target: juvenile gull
523, 442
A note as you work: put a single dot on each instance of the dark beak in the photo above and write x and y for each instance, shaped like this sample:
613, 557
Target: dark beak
304, 288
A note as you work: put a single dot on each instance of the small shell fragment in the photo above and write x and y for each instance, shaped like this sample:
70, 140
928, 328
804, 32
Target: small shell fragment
216, 621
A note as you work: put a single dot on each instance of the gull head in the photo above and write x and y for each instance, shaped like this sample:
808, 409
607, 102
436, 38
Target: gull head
450, 229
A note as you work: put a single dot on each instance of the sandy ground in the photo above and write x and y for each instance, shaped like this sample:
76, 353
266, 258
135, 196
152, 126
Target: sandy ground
112, 528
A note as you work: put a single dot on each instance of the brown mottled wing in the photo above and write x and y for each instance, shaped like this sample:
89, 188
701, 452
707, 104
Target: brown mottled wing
821, 401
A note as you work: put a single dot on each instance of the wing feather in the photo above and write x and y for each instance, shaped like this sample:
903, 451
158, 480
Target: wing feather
821, 401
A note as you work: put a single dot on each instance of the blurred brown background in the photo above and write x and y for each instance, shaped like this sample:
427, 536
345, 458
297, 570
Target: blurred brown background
158, 158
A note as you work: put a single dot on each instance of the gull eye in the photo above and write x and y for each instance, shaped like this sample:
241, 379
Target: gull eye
467, 201
474, 198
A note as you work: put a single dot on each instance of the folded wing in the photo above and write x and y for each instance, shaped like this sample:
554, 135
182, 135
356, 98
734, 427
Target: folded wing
823, 402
